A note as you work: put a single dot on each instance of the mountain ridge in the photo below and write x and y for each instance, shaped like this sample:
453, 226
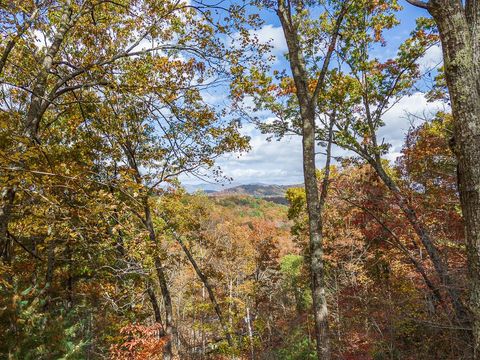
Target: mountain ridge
272, 192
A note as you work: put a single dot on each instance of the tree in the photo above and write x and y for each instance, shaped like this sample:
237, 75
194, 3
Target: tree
292, 17
190, 135
374, 87
68, 68
458, 26
312, 48
362, 96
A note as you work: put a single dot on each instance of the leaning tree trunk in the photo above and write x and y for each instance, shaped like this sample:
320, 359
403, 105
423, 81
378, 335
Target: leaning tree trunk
162, 280
204, 279
441, 268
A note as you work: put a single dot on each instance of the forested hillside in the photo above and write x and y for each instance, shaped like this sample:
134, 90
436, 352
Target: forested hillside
111, 109
274, 193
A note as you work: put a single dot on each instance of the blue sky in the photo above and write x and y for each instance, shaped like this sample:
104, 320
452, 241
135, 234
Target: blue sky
279, 162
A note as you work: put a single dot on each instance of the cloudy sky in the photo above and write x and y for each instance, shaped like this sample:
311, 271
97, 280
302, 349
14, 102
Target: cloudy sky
279, 162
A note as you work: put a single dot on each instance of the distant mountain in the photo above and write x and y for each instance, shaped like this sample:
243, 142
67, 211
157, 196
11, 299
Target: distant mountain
274, 193
206, 187
259, 190
207, 191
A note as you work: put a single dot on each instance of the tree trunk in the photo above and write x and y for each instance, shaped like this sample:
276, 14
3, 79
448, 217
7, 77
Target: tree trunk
458, 23
209, 288
8, 197
308, 103
162, 279
316, 242
461, 41
154, 302
248, 320
170, 331
307, 113
441, 268
416, 263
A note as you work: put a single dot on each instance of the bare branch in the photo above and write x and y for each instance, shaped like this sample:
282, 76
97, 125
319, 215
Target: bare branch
420, 4
331, 49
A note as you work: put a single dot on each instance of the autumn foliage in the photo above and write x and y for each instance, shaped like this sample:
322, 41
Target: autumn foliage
107, 106
139, 342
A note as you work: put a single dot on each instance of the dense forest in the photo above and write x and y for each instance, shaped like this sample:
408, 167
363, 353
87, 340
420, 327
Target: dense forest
107, 106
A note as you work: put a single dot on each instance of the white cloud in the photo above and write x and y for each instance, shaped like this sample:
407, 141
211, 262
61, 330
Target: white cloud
432, 59
398, 120
274, 162
40, 39
272, 35
280, 162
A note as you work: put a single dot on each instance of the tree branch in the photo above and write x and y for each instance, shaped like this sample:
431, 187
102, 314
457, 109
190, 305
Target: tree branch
331, 49
420, 4
23, 246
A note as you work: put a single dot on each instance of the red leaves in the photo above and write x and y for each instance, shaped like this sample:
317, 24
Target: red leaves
139, 342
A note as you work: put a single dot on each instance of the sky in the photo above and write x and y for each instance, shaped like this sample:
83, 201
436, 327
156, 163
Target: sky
279, 162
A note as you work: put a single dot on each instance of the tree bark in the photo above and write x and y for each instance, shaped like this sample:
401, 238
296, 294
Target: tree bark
162, 280
308, 103
460, 38
458, 23
8, 198
154, 302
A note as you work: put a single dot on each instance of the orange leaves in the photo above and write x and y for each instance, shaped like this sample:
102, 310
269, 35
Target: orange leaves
139, 342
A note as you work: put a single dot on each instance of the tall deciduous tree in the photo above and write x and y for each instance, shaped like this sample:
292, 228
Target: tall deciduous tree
377, 86
291, 17
458, 24
312, 31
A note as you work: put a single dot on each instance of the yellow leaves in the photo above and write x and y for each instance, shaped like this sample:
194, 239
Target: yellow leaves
287, 86
377, 29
